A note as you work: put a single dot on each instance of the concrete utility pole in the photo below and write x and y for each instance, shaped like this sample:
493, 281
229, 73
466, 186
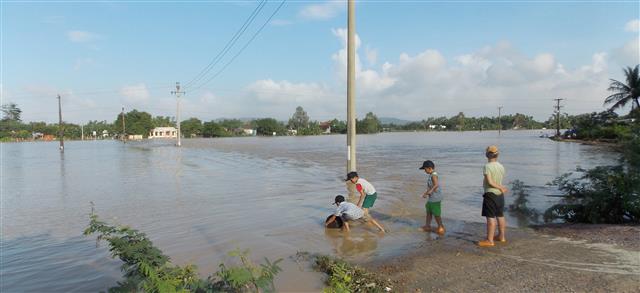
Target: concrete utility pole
178, 93
499, 121
351, 87
60, 129
558, 115
124, 130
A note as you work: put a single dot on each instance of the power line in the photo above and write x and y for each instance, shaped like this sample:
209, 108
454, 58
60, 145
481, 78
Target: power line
229, 44
243, 48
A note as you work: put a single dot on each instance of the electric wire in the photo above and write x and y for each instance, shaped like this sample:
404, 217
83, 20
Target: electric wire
243, 48
229, 44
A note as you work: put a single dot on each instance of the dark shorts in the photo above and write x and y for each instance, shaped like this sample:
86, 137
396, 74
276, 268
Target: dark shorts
492, 205
336, 224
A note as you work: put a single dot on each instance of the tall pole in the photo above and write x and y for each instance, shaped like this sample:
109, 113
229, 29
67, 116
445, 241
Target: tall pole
558, 116
178, 93
351, 87
499, 120
124, 129
60, 128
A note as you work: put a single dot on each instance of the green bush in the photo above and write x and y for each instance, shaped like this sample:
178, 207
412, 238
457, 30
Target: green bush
147, 269
605, 194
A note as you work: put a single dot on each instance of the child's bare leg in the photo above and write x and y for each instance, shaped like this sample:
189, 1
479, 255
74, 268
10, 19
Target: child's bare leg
366, 212
502, 228
491, 229
346, 226
439, 221
427, 226
377, 224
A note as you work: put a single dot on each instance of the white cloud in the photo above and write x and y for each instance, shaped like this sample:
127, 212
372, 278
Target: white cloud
629, 53
633, 26
77, 36
135, 95
324, 11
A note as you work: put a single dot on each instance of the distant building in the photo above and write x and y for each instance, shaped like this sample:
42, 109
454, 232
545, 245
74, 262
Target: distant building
134, 136
326, 127
249, 131
105, 133
292, 132
163, 132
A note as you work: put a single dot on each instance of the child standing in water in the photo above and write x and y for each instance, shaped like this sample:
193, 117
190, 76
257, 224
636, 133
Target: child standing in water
368, 194
493, 202
434, 194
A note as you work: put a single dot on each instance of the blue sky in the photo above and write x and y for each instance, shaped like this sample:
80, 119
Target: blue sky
416, 58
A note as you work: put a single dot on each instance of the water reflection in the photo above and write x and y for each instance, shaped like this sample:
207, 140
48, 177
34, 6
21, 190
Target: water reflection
353, 243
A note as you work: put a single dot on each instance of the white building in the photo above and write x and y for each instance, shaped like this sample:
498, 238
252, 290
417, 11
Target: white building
163, 132
249, 131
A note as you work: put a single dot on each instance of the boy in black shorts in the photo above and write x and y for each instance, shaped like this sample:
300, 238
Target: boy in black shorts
493, 202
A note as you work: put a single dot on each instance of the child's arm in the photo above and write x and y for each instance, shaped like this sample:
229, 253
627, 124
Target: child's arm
435, 186
331, 220
361, 199
495, 185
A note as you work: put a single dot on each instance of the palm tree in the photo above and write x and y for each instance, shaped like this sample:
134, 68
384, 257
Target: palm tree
625, 93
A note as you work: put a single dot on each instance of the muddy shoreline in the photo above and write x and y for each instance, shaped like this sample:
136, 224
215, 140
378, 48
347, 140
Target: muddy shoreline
558, 257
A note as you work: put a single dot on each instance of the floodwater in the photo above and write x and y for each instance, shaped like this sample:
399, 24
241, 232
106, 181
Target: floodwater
268, 195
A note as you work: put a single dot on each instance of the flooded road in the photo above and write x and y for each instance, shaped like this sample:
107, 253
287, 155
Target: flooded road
269, 195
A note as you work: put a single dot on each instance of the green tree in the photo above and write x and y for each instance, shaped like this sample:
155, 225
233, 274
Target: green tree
191, 127
338, 126
370, 124
213, 129
267, 126
299, 120
136, 122
163, 121
11, 112
625, 93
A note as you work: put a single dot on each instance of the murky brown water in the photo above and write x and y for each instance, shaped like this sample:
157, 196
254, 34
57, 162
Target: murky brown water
269, 195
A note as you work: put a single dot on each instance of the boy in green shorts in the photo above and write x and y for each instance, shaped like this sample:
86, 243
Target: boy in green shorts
434, 194
368, 194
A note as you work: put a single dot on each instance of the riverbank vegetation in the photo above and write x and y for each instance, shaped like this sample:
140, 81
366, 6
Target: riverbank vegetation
146, 269
606, 194
344, 277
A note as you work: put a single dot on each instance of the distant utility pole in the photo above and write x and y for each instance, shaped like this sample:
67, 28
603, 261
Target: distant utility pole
499, 121
178, 93
351, 87
557, 106
124, 129
60, 129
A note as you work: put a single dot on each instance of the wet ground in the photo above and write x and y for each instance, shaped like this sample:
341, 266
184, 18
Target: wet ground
529, 262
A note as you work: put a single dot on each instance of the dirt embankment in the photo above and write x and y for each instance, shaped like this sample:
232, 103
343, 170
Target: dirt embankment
552, 258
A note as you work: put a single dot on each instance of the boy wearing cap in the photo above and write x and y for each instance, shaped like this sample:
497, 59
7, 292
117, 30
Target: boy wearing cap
493, 198
348, 212
433, 205
368, 194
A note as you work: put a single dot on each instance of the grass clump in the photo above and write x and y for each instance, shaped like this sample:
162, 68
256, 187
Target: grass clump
343, 277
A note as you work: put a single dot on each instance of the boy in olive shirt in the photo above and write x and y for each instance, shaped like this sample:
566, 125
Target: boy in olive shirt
493, 202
